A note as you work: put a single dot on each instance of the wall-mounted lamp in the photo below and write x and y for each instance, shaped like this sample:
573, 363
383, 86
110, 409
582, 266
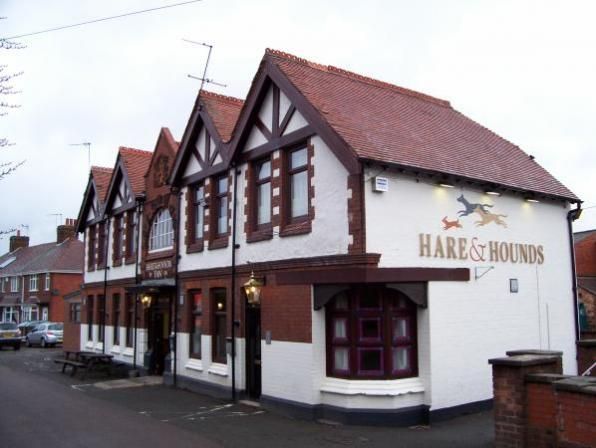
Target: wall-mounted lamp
492, 193
532, 199
446, 185
252, 289
146, 301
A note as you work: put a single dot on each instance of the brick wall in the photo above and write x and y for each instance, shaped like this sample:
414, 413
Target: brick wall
585, 257
586, 355
536, 406
61, 285
72, 331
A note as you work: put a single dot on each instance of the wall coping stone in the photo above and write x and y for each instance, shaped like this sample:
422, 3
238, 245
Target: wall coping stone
579, 384
524, 360
534, 352
586, 343
546, 378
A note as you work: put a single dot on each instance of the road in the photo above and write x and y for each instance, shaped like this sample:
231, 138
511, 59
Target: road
41, 407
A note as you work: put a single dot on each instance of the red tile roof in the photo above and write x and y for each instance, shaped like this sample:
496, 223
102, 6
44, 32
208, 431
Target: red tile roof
136, 162
386, 123
101, 176
223, 110
47, 257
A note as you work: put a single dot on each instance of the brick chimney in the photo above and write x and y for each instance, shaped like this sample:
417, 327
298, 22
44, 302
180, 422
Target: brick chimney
67, 230
17, 241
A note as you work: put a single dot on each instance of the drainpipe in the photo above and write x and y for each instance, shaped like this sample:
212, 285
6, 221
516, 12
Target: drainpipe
105, 282
233, 287
177, 231
137, 248
573, 215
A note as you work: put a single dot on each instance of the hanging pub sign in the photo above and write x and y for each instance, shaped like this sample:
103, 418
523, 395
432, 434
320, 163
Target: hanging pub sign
156, 270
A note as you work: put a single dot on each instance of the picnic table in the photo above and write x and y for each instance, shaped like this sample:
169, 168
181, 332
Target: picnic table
89, 361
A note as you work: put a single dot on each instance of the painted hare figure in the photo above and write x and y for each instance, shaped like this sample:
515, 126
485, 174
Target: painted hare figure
486, 218
470, 208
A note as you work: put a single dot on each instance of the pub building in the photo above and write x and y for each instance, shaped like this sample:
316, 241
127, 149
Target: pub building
339, 247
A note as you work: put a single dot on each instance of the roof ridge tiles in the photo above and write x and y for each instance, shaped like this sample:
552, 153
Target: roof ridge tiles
358, 77
219, 96
102, 168
134, 150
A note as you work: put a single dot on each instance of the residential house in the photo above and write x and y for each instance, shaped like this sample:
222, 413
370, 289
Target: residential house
34, 279
585, 260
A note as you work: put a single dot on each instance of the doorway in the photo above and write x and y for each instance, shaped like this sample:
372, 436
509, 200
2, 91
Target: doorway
159, 332
253, 351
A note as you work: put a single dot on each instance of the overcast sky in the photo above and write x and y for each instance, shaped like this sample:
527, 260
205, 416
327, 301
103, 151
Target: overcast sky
524, 69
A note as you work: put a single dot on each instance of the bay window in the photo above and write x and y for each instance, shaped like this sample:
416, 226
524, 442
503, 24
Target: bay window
371, 334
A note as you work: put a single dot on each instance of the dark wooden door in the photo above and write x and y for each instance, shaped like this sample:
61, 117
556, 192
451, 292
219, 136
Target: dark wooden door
253, 352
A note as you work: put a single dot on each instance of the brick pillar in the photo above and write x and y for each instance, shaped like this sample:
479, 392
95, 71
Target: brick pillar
586, 355
576, 397
510, 394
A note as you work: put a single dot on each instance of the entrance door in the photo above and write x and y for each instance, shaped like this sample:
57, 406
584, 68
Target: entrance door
253, 351
159, 331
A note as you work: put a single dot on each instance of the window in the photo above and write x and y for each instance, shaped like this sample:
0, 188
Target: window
3, 284
162, 231
116, 318
371, 334
101, 318
263, 192
14, 284
118, 239
221, 207
33, 281
298, 183
90, 314
196, 324
75, 313
47, 282
10, 314
131, 234
130, 316
199, 212
219, 325
29, 313
101, 246
91, 248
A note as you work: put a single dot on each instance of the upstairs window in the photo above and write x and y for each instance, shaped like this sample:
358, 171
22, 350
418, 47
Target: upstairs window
298, 183
91, 248
118, 238
131, 234
162, 231
221, 201
33, 282
101, 244
14, 284
199, 212
263, 192
47, 282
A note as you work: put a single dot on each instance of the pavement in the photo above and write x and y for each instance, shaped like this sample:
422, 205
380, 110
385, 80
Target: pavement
40, 406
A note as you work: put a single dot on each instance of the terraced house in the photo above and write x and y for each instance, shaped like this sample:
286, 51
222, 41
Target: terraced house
35, 279
334, 246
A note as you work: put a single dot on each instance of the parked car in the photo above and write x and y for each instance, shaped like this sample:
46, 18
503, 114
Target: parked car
10, 335
27, 326
47, 334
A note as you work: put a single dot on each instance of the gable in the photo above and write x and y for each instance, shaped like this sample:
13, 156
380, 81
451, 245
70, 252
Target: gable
120, 192
205, 151
275, 116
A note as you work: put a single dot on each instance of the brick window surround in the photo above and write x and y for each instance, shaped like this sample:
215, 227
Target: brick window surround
259, 183
371, 334
131, 237
195, 218
91, 248
117, 240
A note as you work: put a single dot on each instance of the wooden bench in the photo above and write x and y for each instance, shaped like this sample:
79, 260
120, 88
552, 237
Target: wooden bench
69, 362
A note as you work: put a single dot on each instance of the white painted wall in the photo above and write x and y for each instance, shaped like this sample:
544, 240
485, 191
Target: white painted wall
329, 234
121, 352
470, 322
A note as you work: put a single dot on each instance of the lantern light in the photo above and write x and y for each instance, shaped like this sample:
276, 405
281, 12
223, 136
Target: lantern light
252, 289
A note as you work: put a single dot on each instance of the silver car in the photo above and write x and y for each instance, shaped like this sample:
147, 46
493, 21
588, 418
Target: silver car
10, 335
47, 334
